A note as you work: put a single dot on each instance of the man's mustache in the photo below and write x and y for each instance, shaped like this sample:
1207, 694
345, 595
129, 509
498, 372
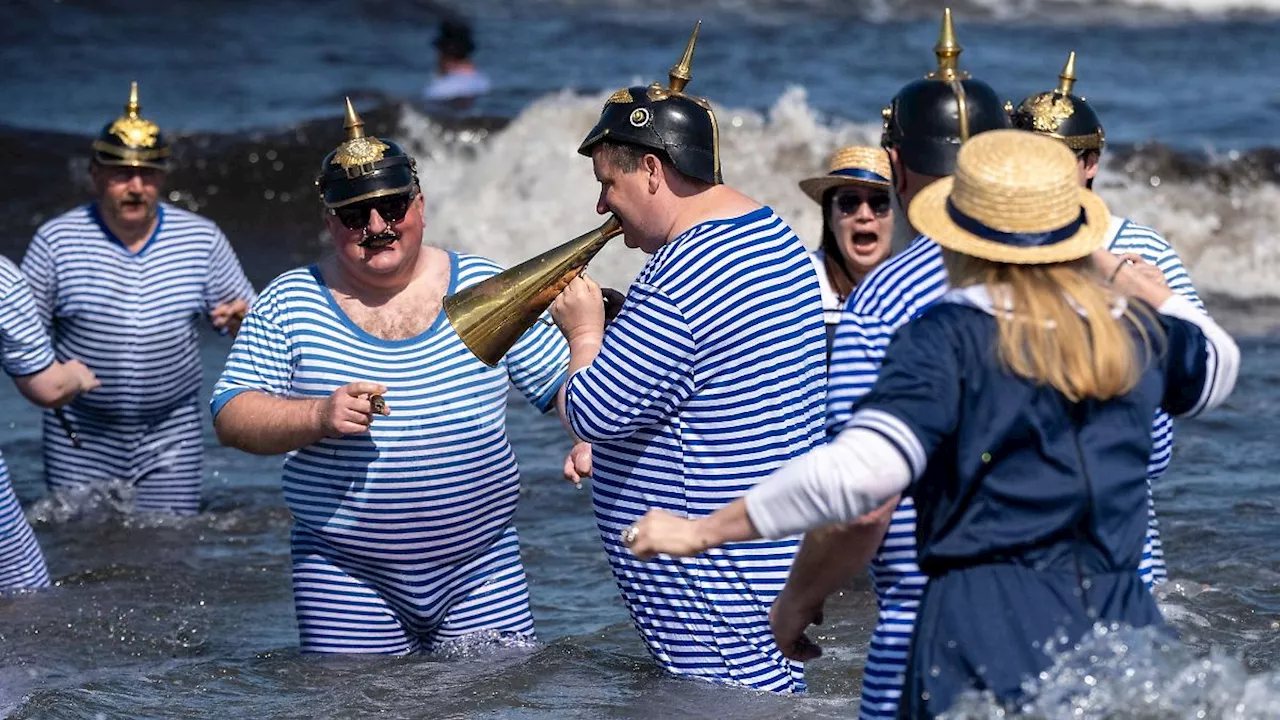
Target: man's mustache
382, 239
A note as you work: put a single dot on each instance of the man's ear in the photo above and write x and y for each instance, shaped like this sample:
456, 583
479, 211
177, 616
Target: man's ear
899, 178
1092, 161
653, 168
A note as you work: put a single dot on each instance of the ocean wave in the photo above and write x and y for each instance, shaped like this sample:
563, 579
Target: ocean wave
511, 189
527, 188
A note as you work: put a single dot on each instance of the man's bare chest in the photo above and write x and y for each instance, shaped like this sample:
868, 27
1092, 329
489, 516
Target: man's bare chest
400, 318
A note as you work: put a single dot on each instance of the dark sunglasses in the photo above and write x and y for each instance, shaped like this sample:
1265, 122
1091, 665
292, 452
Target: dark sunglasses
848, 203
391, 208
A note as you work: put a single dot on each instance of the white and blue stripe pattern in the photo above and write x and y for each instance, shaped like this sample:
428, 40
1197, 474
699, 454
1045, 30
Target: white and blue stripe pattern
131, 317
710, 378
24, 350
402, 536
891, 295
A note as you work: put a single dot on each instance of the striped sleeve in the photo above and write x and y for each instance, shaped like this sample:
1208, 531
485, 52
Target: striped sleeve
259, 360
915, 402
24, 342
226, 281
39, 271
1155, 249
643, 373
538, 364
856, 353
1176, 277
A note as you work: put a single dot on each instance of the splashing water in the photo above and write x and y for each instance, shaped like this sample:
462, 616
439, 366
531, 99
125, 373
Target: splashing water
1134, 673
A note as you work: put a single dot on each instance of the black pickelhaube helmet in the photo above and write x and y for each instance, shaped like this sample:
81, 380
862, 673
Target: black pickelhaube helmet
929, 118
1062, 115
131, 140
666, 119
364, 167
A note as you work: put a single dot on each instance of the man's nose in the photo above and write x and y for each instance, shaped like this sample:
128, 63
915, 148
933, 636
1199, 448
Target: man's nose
134, 183
376, 222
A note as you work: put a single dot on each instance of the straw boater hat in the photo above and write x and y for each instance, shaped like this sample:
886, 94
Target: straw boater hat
853, 165
1015, 198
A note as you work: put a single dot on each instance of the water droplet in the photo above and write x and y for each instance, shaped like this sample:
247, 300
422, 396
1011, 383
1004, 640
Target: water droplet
269, 194
253, 157
271, 155
986, 457
277, 166
174, 196
935, 671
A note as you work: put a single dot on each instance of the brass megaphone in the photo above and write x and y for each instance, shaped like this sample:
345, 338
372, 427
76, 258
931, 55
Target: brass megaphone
491, 315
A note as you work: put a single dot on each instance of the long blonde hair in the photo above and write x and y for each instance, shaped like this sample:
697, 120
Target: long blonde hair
1057, 326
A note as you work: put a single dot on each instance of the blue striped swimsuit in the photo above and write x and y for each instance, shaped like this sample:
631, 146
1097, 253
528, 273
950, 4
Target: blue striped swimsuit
24, 350
895, 292
712, 376
402, 536
131, 317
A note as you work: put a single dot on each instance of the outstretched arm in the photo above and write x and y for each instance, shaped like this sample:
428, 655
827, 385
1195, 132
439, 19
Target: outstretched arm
263, 424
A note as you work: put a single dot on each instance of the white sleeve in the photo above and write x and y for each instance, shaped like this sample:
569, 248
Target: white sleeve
1223, 363
849, 477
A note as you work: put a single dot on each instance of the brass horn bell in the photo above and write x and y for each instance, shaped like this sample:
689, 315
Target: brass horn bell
493, 314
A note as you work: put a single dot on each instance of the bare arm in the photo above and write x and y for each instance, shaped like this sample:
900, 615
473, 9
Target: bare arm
830, 557
57, 384
264, 424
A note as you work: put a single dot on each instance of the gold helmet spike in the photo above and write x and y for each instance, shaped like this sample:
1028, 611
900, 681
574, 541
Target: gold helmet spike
680, 73
1067, 78
947, 51
354, 125
132, 108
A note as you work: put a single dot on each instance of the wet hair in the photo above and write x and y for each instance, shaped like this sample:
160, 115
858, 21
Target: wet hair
833, 260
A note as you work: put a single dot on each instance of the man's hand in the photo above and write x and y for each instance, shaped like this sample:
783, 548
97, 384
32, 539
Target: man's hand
1131, 276
1146, 270
82, 376
228, 315
577, 465
579, 310
349, 410
788, 619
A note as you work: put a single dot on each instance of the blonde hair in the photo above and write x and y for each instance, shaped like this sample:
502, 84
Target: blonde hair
1057, 328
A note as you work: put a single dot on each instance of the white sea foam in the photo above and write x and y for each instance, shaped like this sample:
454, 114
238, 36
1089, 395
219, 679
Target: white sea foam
526, 189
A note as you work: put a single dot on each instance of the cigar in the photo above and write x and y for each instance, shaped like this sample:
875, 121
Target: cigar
66, 427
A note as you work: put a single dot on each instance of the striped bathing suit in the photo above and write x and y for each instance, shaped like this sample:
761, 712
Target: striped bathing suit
24, 350
402, 536
131, 317
712, 376
891, 295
